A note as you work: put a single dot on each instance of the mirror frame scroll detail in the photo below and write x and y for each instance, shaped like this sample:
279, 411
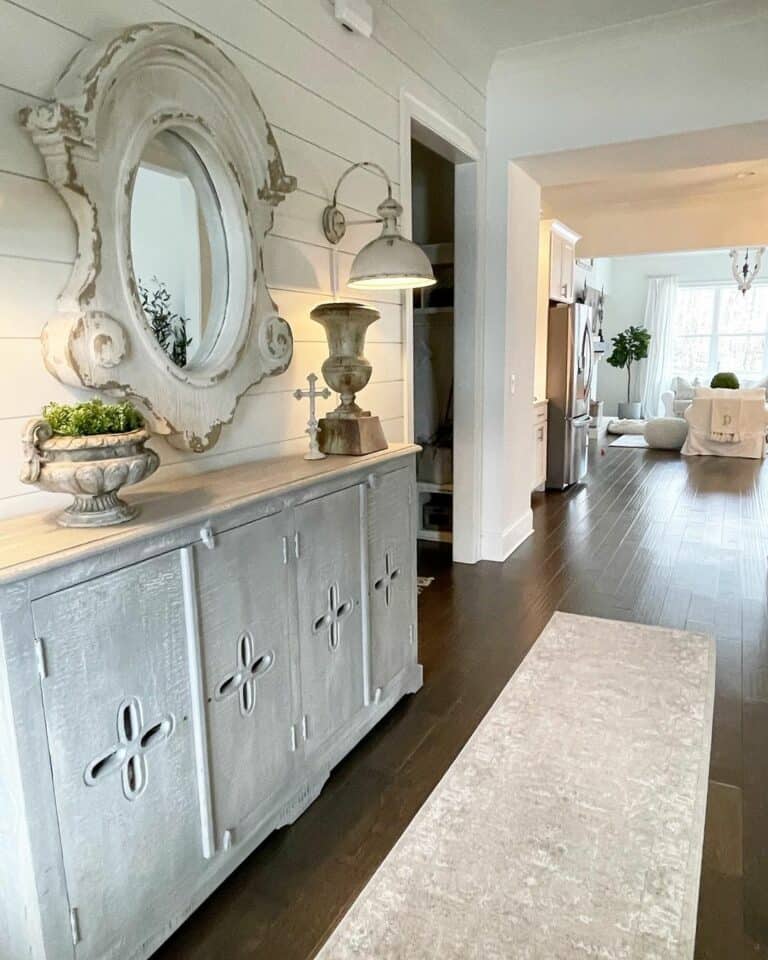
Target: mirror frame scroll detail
118, 93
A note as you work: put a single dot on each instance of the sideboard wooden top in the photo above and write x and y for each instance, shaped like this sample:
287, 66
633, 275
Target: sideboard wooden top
34, 543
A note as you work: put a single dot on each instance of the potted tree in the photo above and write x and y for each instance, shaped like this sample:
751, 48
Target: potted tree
90, 450
629, 346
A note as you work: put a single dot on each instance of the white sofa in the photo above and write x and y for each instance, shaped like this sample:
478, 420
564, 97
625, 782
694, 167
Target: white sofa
726, 423
680, 395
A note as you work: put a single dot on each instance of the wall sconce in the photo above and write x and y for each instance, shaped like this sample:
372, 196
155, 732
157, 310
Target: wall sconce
390, 262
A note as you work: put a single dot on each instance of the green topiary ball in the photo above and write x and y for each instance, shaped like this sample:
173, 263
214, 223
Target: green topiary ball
728, 380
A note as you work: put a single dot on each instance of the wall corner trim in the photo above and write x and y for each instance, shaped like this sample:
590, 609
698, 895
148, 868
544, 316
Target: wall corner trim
498, 545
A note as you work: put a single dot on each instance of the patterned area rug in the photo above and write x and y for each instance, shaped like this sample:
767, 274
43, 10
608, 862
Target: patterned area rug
423, 582
572, 822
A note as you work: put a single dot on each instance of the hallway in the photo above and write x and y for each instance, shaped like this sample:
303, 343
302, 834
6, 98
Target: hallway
651, 538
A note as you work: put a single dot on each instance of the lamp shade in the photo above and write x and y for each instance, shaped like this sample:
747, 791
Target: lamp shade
390, 262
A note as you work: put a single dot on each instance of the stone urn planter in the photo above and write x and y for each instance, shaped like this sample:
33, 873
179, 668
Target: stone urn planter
348, 429
92, 469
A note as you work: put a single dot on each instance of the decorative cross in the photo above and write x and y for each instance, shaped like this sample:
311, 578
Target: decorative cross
314, 450
128, 755
242, 681
332, 618
391, 573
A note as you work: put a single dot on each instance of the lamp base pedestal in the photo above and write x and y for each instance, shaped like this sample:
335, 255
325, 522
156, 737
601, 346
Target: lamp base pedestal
351, 436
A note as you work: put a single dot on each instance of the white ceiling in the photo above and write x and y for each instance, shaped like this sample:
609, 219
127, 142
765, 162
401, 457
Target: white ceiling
469, 33
662, 170
683, 151
659, 187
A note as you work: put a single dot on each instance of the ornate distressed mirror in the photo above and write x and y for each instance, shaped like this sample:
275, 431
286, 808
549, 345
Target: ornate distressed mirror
164, 157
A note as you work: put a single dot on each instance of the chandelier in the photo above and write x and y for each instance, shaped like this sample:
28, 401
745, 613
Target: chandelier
745, 274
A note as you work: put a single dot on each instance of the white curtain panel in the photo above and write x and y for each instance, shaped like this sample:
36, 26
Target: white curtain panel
659, 312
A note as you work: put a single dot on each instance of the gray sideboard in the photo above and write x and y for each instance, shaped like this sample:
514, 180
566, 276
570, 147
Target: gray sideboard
174, 690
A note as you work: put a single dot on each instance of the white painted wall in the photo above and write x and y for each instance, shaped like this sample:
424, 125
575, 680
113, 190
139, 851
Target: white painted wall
625, 301
332, 98
510, 344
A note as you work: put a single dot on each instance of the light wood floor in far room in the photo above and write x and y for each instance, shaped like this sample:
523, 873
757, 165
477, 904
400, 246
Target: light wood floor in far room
652, 538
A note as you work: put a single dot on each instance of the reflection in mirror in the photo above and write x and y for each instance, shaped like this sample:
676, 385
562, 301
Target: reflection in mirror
178, 250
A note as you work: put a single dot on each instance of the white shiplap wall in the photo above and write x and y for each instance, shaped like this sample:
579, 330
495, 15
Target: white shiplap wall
332, 99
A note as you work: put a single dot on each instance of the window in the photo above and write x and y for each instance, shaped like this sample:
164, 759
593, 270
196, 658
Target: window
716, 327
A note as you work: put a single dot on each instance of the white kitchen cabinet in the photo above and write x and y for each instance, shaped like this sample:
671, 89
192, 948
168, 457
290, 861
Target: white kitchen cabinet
173, 690
562, 261
540, 444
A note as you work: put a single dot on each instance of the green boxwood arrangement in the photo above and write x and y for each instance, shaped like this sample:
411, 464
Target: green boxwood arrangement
728, 380
92, 418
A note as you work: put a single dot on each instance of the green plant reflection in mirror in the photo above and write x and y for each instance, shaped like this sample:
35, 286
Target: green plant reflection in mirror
178, 250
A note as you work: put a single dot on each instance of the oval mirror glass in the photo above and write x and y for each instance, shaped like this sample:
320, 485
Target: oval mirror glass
179, 250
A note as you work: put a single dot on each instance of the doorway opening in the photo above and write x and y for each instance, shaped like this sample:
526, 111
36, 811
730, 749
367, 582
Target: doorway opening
442, 198
432, 210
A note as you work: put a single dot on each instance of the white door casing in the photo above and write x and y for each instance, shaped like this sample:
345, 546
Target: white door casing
442, 135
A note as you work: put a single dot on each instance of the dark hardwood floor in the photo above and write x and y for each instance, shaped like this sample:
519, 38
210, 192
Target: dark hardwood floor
652, 538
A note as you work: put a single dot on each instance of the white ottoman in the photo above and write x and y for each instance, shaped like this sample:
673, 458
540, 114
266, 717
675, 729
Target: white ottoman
621, 427
666, 433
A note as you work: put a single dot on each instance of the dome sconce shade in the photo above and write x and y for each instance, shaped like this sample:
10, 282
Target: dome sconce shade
390, 262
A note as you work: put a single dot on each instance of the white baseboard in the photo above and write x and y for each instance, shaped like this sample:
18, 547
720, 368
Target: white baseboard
498, 546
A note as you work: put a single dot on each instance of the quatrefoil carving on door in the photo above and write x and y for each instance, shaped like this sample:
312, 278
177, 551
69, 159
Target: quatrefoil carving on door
129, 755
242, 680
386, 582
337, 611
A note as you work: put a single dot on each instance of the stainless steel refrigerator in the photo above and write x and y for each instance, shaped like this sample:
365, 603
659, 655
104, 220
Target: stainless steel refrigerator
570, 365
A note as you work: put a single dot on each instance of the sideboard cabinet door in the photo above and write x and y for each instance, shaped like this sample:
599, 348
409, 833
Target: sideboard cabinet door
392, 581
245, 591
117, 709
330, 618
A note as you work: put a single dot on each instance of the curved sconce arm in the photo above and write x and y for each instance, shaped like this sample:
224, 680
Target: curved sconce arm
373, 167
335, 223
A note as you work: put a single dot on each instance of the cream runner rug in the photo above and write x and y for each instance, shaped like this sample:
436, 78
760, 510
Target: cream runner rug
629, 440
571, 825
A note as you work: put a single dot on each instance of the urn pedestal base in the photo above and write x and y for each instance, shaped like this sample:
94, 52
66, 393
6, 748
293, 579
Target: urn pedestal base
105, 510
351, 436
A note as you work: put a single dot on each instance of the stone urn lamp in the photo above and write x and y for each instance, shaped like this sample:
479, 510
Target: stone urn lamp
348, 429
91, 468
